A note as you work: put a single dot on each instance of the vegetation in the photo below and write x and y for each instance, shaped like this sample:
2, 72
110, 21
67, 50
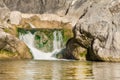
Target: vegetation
4, 54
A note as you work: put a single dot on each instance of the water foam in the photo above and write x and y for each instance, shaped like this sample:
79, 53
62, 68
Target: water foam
37, 54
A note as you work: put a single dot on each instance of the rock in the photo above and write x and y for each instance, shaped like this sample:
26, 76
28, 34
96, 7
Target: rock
74, 50
38, 6
53, 17
4, 12
68, 10
96, 24
15, 17
100, 28
76, 10
13, 48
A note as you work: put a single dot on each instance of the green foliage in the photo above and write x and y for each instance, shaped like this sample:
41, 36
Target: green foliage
23, 31
44, 39
6, 30
67, 34
37, 37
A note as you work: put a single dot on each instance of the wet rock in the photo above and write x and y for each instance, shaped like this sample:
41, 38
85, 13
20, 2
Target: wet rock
74, 50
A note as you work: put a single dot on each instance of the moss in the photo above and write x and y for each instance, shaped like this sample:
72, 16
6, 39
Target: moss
21, 31
44, 39
83, 54
67, 35
4, 54
67, 31
6, 30
46, 30
41, 33
11, 30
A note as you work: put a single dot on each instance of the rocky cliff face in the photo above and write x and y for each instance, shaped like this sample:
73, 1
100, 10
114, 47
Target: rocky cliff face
10, 46
96, 24
38, 6
98, 30
72, 10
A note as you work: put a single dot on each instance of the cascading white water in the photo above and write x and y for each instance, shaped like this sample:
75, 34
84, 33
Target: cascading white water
37, 54
57, 42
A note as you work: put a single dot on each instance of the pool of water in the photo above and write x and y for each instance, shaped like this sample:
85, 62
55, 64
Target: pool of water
58, 70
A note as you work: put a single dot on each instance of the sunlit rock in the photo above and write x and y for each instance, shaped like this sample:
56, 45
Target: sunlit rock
13, 48
95, 23
15, 17
100, 27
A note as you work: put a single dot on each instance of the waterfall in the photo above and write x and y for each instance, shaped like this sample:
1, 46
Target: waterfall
57, 42
29, 38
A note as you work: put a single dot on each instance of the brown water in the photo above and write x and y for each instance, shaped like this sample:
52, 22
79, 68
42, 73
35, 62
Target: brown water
58, 70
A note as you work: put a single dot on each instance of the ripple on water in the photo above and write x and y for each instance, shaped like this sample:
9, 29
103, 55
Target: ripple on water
58, 70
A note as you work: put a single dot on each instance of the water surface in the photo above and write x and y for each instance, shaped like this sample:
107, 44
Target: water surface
58, 70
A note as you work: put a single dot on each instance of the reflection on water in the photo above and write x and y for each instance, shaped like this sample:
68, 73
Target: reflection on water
58, 70
106, 71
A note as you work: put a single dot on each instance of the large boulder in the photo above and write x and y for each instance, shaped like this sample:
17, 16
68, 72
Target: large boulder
99, 26
13, 48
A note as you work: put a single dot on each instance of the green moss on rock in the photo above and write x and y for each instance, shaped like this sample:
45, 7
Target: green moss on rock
4, 54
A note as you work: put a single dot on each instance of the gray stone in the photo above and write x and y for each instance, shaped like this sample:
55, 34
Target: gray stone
72, 10
100, 25
4, 12
15, 17
38, 6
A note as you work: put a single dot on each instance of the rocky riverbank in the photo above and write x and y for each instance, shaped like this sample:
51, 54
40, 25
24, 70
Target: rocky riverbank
10, 45
95, 25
